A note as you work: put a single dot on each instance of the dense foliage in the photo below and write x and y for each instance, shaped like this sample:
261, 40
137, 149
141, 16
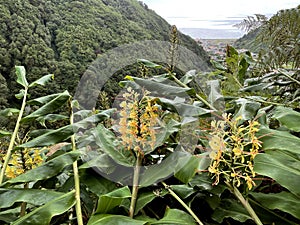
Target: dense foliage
63, 37
217, 147
276, 40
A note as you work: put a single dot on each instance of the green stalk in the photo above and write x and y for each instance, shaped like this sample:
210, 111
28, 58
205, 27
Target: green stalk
76, 174
13, 137
135, 185
24, 204
197, 96
245, 203
190, 211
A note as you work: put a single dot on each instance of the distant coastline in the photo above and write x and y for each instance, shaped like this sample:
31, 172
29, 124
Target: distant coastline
207, 33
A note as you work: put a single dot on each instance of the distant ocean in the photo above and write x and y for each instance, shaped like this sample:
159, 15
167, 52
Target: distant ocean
207, 33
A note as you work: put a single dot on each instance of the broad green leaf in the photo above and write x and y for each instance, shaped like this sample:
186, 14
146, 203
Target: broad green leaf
215, 96
146, 197
188, 77
284, 201
21, 76
50, 118
9, 215
42, 81
176, 217
183, 109
157, 88
51, 137
42, 100
230, 208
288, 118
43, 214
148, 63
279, 140
112, 199
188, 168
246, 109
284, 167
106, 219
267, 216
171, 127
9, 196
183, 191
49, 107
106, 140
48, 169
4, 133
9, 112
204, 182
160, 171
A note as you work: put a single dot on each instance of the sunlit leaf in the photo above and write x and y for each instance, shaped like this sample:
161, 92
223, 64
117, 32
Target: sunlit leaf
21, 76
148, 63
42, 81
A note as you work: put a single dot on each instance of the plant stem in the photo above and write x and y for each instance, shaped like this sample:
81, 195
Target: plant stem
135, 185
13, 137
182, 203
76, 174
197, 96
245, 203
24, 204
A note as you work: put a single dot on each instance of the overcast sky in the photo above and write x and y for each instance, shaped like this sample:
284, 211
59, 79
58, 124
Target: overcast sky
197, 13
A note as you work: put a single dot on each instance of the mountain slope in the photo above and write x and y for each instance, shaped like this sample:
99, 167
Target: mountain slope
64, 36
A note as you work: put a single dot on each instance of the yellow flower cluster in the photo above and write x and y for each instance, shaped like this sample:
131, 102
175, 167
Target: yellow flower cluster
22, 161
138, 116
233, 149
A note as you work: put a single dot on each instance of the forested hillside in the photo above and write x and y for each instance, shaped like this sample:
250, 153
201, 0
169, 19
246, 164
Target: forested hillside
64, 36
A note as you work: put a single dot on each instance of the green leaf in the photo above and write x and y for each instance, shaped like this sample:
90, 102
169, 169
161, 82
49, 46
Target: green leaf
148, 63
49, 107
230, 208
43, 100
33, 196
42, 81
21, 76
288, 118
183, 191
106, 140
50, 118
106, 219
51, 137
9, 112
162, 170
146, 197
9, 215
188, 77
48, 169
4, 133
279, 140
246, 109
284, 201
188, 169
158, 88
112, 199
43, 214
215, 96
176, 217
282, 166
